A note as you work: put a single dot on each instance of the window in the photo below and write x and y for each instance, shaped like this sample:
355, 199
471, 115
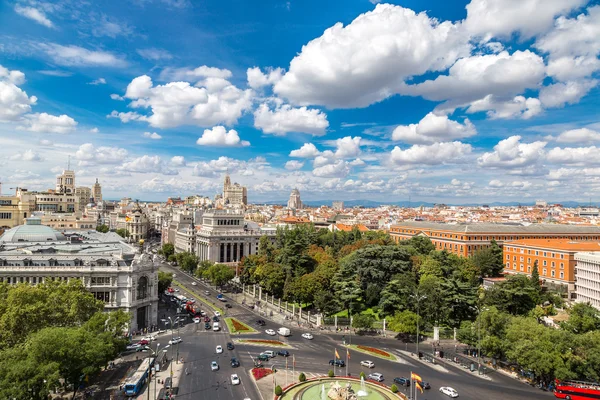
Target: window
528, 260
545, 271
507, 256
508, 265
562, 256
100, 280
545, 262
103, 296
529, 268
562, 265
553, 264
552, 273
562, 275
5, 215
544, 254
521, 267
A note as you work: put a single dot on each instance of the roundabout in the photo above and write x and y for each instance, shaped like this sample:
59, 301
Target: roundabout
338, 388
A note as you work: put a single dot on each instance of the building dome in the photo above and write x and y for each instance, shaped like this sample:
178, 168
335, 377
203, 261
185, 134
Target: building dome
32, 231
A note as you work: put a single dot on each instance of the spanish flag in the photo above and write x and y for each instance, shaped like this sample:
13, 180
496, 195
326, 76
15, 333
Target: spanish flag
418, 385
348, 353
415, 377
337, 355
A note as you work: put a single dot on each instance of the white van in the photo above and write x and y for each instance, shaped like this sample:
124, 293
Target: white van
216, 326
283, 331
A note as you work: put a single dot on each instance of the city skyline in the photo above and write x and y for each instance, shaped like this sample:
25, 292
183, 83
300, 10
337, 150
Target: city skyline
455, 102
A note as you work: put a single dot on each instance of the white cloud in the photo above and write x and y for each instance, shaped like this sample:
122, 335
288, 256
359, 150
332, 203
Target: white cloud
88, 154
14, 102
148, 164
219, 136
324, 158
35, 15
519, 107
367, 60
257, 79
191, 74
308, 150
15, 77
99, 81
473, 78
178, 160
434, 128
116, 97
511, 153
154, 54
108, 26
574, 155
348, 147
127, 116
152, 135
79, 57
582, 135
294, 165
500, 18
559, 94
434, 154
339, 169
46, 142
56, 72
27, 155
42, 122
94, 130
179, 103
286, 119
357, 163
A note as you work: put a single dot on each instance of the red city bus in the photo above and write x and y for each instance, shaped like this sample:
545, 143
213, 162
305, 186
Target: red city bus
576, 390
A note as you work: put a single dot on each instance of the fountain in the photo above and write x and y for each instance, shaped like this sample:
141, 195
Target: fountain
363, 388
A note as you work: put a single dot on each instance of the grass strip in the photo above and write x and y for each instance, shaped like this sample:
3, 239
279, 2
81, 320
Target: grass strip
236, 326
386, 355
199, 297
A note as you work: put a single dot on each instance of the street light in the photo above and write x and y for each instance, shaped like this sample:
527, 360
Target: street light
154, 369
418, 300
171, 321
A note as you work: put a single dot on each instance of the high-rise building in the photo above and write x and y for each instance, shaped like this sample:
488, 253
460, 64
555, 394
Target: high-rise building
83, 194
294, 201
65, 183
97, 192
234, 194
338, 205
587, 278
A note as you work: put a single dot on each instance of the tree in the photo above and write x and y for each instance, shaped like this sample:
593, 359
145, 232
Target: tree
302, 377
583, 318
498, 265
535, 277
167, 250
363, 321
102, 228
404, 322
124, 233
271, 277
278, 390
187, 261
219, 274
394, 388
422, 244
164, 281
515, 295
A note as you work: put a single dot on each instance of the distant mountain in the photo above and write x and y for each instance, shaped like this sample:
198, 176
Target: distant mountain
373, 203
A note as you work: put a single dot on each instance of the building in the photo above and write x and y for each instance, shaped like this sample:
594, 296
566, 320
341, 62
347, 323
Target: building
109, 268
225, 237
52, 201
69, 220
15, 209
294, 202
337, 205
97, 192
65, 183
587, 278
234, 194
136, 224
84, 196
465, 239
555, 258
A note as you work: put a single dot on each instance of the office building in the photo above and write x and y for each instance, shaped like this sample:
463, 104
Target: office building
294, 202
234, 194
587, 278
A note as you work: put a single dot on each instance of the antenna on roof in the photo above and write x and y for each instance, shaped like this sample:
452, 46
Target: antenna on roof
69, 163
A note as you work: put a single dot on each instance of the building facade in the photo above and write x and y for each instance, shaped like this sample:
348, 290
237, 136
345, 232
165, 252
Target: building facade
65, 183
84, 196
465, 239
294, 201
587, 278
15, 209
234, 194
97, 192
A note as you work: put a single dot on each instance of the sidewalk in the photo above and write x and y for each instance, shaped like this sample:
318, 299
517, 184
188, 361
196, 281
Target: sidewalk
163, 374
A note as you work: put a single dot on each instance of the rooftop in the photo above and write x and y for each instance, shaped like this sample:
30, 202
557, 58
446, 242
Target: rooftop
556, 244
32, 231
500, 228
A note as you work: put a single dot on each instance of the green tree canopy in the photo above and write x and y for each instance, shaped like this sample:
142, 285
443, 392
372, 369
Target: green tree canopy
167, 250
219, 274
164, 281
363, 321
102, 228
124, 233
404, 322
582, 318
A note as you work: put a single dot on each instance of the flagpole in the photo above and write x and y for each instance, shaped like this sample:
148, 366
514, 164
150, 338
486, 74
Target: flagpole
346, 361
286, 372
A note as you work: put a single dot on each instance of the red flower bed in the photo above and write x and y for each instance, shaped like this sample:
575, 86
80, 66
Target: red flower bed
260, 373
376, 351
238, 326
271, 342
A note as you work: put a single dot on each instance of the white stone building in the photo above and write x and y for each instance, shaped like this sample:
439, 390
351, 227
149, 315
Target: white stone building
234, 194
587, 278
294, 201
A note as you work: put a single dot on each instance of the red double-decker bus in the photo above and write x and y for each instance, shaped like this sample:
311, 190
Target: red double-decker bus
576, 390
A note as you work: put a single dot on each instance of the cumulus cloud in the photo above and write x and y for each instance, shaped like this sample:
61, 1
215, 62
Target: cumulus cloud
434, 154
46, 123
14, 102
75, 56
152, 135
308, 150
179, 103
434, 128
258, 79
582, 135
148, 164
286, 118
511, 153
27, 155
178, 160
88, 154
219, 136
34, 14
294, 165
559, 94
574, 155
187, 74
367, 60
518, 107
347, 147
115, 96
339, 169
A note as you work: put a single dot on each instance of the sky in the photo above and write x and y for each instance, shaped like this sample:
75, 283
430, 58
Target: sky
440, 101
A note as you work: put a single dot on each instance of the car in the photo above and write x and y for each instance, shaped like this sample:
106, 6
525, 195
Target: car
448, 391
307, 336
283, 353
235, 380
376, 376
214, 366
263, 357
177, 290
196, 320
270, 332
150, 338
194, 284
206, 319
228, 305
143, 342
337, 363
175, 340
133, 346
425, 385
142, 348
207, 326
230, 346
175, 276
217, 314
402, 381
269, 353
219, 349
368, 364
206, 292
235, 363
261, 322
216, 319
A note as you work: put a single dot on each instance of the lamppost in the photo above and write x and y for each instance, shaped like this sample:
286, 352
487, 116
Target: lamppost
153, 369
418, 299
171, 322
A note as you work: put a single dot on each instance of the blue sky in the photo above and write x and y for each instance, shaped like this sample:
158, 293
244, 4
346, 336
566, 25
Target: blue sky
443, 101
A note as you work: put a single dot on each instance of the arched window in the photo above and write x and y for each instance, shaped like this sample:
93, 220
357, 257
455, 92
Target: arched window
142, 288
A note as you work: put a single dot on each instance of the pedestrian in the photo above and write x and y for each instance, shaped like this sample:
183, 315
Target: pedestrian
186, 371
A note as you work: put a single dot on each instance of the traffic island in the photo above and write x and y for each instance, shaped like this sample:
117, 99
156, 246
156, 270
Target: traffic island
338, 388
262, 342
235, 326
372, 351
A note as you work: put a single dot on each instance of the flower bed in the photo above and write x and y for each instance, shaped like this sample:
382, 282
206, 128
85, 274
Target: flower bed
259, 373
236, 326
373, 351
263, 342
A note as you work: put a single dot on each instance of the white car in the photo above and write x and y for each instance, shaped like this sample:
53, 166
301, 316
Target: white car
307, 336
376, 376
177, 290
368, 364
270, 332
194, 284
197, 320
149, 338
448, 391
235, 380
175, 340
217, 314
219, 349
214, 366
